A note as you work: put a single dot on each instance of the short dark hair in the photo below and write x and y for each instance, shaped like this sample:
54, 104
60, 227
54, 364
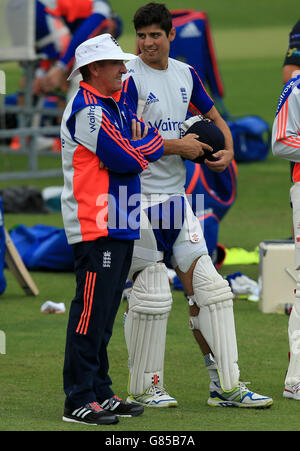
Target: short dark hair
153, 13
85, 71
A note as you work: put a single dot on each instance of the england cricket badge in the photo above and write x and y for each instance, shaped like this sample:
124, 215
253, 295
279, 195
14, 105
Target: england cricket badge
194, 237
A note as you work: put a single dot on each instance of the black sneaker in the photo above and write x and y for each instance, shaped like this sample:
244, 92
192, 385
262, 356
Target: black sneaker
91, 413
121, 408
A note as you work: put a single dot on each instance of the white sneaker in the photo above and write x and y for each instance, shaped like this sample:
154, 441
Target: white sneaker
240, 396
154, 396
292, 391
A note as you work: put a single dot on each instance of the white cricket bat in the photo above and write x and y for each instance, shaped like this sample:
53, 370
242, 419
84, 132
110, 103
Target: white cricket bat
16, 266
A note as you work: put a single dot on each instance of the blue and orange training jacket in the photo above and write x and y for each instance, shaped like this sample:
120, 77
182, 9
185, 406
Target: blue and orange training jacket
102, 201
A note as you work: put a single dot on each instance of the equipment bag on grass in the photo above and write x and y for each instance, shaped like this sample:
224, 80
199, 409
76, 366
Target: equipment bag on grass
193, 44
43, 247
251, 138
218, 192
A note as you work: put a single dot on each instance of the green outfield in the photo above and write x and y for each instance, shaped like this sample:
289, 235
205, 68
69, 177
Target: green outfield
250, 40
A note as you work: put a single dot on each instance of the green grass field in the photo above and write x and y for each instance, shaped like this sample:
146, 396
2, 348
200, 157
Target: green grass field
250, 39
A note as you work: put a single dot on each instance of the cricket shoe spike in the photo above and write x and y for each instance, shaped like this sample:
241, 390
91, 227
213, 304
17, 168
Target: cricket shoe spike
154, 396
292, 391
240, 396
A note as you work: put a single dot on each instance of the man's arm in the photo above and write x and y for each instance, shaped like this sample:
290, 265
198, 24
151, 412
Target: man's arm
286, 128
187, 147
89, 27
201, 103
225, 156
116, 151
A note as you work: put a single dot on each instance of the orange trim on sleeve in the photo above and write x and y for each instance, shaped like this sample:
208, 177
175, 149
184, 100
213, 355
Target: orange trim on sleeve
201, 83
291, 142
124, 143
282, 121
152, 146
193, 109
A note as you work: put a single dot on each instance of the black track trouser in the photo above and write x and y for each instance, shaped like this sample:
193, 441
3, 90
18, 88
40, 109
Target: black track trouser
101, 269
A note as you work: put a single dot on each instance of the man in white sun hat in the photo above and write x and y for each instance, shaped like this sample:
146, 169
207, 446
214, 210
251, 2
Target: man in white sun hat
104, 148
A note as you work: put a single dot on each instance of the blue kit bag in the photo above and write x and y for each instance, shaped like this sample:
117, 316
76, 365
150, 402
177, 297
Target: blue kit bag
219, 193
251, 138
193, 44
43, 247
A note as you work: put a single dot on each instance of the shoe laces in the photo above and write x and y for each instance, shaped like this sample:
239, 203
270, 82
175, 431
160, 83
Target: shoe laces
111, 402
158, 390
243, 387
296, 387
94, 406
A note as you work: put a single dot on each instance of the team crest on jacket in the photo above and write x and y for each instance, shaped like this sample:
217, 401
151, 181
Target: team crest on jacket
106, 259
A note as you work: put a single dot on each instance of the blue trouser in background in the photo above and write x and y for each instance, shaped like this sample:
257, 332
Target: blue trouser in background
101, 269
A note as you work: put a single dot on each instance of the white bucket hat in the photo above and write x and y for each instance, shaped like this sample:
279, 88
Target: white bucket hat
102, 47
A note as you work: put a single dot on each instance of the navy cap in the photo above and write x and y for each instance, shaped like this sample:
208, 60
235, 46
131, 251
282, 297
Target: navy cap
209, 134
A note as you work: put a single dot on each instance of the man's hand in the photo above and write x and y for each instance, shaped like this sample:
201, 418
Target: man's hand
223, 160
191, 148
136, 130
54, 78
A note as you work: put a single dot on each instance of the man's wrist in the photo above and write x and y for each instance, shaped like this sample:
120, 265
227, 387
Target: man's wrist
61, 66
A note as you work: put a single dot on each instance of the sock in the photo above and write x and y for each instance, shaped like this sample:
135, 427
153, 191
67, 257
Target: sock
211, 368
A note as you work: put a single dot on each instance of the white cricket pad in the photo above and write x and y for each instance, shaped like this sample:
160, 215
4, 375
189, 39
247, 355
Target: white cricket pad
215, 320
150, 303
293, 373
295, 201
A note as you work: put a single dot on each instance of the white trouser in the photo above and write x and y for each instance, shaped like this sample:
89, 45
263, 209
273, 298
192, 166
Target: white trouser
293, 373
187, 247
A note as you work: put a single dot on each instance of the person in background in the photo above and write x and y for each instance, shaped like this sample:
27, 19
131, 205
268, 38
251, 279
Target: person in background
286, 145
292, 57
60, 26
84, 19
